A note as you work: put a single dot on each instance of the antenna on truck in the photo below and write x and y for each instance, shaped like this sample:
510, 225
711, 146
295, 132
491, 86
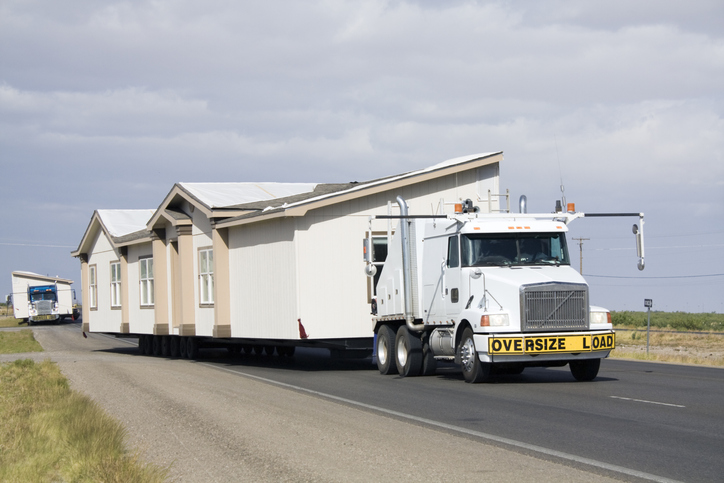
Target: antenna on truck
560, 172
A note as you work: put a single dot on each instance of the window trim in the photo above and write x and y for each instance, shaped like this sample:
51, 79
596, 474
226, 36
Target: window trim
115, 285
93, 287
206, 279
149, 283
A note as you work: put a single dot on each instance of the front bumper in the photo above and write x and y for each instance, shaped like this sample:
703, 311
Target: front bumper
541, 347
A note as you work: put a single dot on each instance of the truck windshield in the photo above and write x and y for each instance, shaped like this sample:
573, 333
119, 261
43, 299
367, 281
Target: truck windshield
517, 249
36, 297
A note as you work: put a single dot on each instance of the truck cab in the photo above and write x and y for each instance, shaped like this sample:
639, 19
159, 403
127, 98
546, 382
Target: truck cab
43, 303
493, 292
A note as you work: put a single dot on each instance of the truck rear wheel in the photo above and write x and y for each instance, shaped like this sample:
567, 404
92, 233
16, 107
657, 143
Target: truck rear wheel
429, 363
386, 350
473, 369
585, 370
408, 353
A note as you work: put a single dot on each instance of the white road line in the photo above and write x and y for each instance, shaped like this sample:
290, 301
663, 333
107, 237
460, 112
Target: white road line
458, 429
648, 402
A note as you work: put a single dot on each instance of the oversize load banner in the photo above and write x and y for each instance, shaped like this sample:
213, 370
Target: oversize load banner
550, 344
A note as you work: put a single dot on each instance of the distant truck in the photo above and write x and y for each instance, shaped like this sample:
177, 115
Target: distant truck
37, 298
495, 293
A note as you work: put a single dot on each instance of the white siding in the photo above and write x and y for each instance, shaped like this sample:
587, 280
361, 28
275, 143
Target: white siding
202, 239
311, 268
263, 282
103, 319
141, 321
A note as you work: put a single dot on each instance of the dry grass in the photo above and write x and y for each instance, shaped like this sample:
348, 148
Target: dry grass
11, 322
679, 347
50, 433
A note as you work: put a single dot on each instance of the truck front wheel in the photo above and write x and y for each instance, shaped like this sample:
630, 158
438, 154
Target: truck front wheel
409, 353
386, 350
585, 370
473, 369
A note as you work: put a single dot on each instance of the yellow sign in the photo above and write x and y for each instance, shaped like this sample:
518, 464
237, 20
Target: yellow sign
550, 344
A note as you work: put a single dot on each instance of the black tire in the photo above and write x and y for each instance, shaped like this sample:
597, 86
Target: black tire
182, 347
174, 346
165, 345
386, 350
429, 363
585, 370
141, 344
258, 350
192, 348
247, 349
474, 370
269, 350
408, 353
156, 344
148, 345
286, 350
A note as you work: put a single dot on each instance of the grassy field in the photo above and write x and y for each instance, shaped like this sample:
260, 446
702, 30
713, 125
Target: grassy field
16, 342
51, 433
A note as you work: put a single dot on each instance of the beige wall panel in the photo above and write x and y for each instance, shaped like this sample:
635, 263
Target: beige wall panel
140, 320
103, 319
262, 280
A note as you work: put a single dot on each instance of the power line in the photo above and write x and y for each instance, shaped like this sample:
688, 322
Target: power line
674, 276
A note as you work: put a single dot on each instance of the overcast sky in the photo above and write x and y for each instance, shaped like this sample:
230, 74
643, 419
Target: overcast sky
104, 105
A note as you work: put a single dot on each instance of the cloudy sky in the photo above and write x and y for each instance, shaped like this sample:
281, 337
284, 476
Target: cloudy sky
105, 104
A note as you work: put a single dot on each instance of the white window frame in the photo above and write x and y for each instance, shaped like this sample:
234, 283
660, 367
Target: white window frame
115, 285
93, 287
146, 285
206, 276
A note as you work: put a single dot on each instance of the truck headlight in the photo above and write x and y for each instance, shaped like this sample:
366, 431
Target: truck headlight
600, 317
494, 320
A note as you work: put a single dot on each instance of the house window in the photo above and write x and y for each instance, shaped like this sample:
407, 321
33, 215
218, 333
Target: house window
92, 287
206, 276
115, 284
146, 265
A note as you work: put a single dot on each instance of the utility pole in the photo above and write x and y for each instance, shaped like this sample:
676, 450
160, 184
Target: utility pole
580, 251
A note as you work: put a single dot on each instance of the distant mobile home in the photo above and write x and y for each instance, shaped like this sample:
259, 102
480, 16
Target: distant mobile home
260, 263
41, 298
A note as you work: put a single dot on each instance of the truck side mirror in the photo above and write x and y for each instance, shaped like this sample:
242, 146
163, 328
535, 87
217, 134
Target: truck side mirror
639, 244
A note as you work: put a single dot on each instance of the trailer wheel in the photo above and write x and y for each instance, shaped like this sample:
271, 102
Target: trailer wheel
247, 349
286, 350
148, 345
269, 350
156, 344
142, 344
409, 353
473, 369
386, 350
585, 370
174, 343
165, 345
192, 348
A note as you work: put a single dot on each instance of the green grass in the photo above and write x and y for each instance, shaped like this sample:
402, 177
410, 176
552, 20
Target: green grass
50, 433
16, 342
707, 322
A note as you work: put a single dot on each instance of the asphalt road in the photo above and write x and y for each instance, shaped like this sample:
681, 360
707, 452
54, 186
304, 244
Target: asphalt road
636, 421
663, 420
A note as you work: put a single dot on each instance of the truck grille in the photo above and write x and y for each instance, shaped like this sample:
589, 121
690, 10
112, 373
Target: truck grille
554, 306
44, 307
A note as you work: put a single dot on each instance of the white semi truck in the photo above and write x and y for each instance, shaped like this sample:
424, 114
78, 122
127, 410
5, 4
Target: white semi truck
495, 293
37, 298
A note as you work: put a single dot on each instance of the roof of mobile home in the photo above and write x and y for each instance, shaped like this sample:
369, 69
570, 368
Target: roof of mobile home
229, 204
